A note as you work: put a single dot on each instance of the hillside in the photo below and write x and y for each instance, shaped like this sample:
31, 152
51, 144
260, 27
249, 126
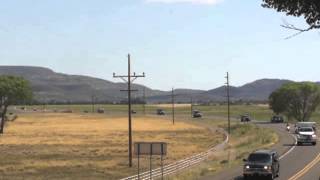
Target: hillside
49, 86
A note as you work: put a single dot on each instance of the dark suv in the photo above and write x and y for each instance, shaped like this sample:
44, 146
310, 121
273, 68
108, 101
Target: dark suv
277, 119
245, 118
262, 163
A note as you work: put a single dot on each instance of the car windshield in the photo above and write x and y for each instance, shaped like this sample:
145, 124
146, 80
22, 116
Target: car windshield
259, 158
306, 130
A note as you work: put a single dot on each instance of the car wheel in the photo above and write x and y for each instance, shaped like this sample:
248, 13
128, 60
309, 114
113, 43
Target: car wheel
314, 143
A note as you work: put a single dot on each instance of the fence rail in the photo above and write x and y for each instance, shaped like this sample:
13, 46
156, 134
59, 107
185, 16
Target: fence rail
180, 165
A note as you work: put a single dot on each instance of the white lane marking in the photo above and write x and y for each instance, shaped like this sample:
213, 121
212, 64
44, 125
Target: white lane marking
291, 149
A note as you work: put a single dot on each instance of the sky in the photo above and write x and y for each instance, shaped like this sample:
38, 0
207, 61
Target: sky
177, 43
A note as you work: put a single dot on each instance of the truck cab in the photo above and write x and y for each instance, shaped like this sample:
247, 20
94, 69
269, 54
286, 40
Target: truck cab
306, 135
262, 163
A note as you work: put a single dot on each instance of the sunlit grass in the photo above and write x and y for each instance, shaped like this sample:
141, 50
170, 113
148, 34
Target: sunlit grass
245, 138
84, 146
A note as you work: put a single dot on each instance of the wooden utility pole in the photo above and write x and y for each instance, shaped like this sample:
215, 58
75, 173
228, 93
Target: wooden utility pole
191, 108
172, 98
93, 103
228, 101
144, 100
129, 80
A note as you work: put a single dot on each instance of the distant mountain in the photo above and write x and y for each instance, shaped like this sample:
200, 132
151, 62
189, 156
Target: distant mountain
256, 91
49, 86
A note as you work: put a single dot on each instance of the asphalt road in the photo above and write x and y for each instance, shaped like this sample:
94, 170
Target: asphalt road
296, 163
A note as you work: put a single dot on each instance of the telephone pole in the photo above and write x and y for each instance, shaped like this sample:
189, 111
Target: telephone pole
191, 104
228, 101
93, 102
129, 80
144, 100
172, 98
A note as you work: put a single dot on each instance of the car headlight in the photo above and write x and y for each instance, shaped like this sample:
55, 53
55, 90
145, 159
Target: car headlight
314, 136
247, 167
267, 167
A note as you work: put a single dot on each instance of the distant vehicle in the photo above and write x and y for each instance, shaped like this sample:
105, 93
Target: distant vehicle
262, 163
305, 124
100, 110
196, 114
306, 135
67, 111
133, 112
160, 112
277, 119
245, 118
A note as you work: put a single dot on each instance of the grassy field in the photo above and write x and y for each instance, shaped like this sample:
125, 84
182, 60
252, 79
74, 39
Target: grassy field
86, 146
245, 138
181, 110
258, 112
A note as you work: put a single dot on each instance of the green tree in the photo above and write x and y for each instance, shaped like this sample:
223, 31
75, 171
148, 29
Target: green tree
309, 9
12, 90
297, 100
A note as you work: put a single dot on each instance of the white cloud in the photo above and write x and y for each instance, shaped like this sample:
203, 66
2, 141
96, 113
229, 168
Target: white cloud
207, 2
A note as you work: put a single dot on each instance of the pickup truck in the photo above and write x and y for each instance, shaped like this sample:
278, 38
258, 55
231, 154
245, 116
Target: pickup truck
306, 135
196, 114
262, 163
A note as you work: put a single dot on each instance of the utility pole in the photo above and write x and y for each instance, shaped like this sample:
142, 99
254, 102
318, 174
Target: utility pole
93, 102
172, 98
191, 104
228, 101
144, 100
129, 80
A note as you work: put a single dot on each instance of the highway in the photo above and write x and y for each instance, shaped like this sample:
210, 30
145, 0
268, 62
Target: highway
296, 162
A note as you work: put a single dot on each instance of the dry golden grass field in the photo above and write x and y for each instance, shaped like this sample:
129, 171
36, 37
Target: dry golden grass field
78, 146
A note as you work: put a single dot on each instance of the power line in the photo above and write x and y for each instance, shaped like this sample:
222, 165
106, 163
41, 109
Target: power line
129, 80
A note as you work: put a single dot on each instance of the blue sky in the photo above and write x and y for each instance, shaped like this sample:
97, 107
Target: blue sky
177, 43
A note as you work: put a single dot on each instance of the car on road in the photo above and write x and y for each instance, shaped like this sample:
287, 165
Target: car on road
196, 114
277, 119
161, 112
133, 112
245, 118
304, 124
306, 135
262, 163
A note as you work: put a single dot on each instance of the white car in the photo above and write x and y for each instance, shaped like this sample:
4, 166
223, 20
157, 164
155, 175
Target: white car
306, 135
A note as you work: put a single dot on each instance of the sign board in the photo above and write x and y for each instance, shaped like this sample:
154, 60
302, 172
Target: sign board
150, 148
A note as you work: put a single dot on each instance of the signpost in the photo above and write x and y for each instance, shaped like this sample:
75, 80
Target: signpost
150, 149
